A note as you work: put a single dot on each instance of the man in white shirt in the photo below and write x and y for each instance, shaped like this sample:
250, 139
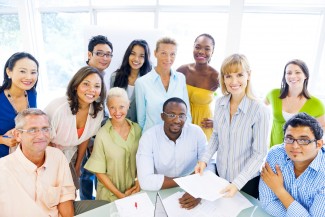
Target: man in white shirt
170, 150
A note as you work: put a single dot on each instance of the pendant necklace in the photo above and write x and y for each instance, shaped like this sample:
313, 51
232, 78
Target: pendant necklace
13, 103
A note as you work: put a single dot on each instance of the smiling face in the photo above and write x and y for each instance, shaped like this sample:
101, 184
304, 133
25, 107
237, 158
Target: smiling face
173, 126
136, 58
165, 54
236, 82
24, 74
89, 89
294, 76
118, 108
98, 62
34, 144
300, 154
203, 50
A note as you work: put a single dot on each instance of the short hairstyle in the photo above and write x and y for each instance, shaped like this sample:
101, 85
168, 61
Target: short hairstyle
117, 92
165, 40
235, 63
10, 64
99, 39
285, 87
173, 99
124, 71
305, 120
20, 119
76, 81
208, 36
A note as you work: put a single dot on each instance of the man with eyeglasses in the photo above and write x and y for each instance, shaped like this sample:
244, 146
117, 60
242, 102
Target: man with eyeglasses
293, 178
35, 179
170, 150
100, 53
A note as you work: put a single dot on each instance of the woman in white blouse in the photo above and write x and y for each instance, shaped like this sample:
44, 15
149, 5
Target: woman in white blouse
75, 118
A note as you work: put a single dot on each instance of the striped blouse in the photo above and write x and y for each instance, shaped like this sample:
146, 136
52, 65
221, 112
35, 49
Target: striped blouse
241, 143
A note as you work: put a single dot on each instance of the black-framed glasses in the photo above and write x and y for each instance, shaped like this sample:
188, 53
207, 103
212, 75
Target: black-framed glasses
102, 54
172, 116
34, 131
305, 142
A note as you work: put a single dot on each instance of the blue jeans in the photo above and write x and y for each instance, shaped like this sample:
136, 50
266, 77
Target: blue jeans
86, 181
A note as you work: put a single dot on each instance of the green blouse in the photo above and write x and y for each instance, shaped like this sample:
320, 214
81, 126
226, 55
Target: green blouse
312, 106
115, 157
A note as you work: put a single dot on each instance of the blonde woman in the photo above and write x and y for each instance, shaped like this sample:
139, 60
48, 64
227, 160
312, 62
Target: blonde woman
113, 156
240, 130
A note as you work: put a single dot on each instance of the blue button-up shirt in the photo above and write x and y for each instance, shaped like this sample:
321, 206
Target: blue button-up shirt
158, 156
308, 189
150, 95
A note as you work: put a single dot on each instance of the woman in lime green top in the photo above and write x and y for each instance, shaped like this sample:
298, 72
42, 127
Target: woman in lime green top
292, 98
113, 156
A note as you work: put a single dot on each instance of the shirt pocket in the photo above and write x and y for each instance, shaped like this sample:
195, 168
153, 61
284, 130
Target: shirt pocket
52, 196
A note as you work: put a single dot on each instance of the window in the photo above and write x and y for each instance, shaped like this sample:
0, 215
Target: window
64, 46
270, 40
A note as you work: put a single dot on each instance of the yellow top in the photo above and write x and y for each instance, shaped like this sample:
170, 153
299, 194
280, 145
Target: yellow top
200, 100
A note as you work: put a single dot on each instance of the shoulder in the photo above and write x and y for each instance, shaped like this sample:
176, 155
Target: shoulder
151, 132
276, 154
274, 92
145, 78
113, 75
316, 101
184, 69
193, 129
57, 105
55, 154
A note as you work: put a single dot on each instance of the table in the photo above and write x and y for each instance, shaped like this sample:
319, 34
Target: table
111, 210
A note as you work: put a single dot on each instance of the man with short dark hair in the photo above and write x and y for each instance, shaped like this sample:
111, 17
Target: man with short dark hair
170, 150
100, 52
293, 178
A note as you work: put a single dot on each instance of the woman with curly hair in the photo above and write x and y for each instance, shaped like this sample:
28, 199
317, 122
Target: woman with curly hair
75, 118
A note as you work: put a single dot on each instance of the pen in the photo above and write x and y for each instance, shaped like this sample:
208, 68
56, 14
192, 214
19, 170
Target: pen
136, 205
5, 136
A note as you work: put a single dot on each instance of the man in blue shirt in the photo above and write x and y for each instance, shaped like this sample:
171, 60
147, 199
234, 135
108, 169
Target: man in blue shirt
293, 178
170, 150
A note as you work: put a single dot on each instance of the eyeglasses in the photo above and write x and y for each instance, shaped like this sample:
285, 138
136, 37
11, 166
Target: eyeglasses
102, 54
172, 116
34, 131
305, 142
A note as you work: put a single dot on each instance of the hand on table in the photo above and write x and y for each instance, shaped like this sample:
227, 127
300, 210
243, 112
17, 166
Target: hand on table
187, 201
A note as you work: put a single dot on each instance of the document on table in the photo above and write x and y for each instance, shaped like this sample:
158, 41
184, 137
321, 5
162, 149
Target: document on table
138, 205
223, 207
206, 186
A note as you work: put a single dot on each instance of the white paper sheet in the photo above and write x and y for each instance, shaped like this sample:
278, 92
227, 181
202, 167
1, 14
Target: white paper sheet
138, 205
206, 186
223, 207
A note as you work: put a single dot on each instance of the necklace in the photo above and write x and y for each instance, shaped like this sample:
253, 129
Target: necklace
13, 104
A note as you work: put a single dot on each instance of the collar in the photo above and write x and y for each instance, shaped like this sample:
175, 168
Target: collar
27, 164
166, 137
155, 76
318, 162
243, 105
110, 126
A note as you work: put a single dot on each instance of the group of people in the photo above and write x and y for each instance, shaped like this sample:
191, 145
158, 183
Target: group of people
159, 126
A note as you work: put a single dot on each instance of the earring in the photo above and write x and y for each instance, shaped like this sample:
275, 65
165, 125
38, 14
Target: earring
9, 77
